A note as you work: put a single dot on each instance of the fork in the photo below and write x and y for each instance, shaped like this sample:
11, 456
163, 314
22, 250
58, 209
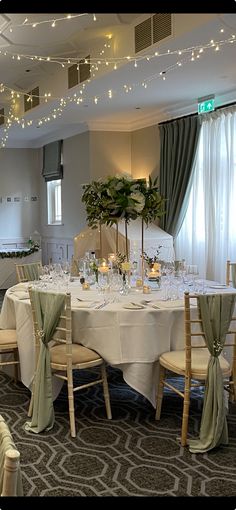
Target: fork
100, 306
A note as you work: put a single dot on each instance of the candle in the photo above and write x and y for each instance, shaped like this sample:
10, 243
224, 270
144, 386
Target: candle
126, 266
153, 273
139, 282
146, 289
103, 269
111, 257
85, 286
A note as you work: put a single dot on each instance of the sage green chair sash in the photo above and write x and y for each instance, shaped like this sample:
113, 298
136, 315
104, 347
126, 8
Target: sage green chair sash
48, 307
216, 313
233, 273
7, 443
31, 271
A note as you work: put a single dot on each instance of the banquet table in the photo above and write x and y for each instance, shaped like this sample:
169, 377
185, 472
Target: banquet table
125, 335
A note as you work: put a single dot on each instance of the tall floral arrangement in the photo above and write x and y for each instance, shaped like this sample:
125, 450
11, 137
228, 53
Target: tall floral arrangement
118, 197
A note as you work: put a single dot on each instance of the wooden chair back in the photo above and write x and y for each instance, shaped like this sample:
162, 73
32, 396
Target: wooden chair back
21, 271
195, 336
11, 479
228, 271
62, 334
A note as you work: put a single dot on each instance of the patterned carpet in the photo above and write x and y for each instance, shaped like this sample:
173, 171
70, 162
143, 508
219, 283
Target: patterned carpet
130, 455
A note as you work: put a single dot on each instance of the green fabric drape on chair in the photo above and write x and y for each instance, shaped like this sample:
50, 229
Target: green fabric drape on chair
216, 313
31, 271
233, 273
7, 443
178, 147
48, 307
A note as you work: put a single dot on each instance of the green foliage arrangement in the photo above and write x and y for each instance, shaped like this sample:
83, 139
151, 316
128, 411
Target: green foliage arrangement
151, 260
19, 254
118, 198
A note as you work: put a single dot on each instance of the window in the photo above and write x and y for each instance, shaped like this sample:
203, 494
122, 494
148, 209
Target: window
208, 235
54, 202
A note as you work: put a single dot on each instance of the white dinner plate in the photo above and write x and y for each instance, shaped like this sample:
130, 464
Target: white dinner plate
219, 286
131, 306
178, 303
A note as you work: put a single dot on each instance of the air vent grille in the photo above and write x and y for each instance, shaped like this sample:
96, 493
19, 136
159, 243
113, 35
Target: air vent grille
143, 35
161, 26
84, 69
79, 73
152, 31
31, 99
73, 76
1, 116
35, 97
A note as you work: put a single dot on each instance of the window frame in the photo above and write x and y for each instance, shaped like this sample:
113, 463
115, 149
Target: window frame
54, 202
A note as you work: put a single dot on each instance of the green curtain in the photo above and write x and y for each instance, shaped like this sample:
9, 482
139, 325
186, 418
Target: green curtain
216, 312
7, 443
178, 140
48, 307
233, 273
32, 271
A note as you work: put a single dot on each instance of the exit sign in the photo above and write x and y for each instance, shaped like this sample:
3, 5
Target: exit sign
206, 106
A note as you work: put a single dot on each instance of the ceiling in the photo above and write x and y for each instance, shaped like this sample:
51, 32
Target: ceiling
140, 96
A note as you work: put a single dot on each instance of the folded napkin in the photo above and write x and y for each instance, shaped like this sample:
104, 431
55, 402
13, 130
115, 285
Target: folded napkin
177, 303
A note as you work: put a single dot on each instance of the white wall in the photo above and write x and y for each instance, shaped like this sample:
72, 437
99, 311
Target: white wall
145, 152
86, 156
110, 153
19, 177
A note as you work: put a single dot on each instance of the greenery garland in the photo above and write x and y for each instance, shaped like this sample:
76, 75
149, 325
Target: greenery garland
19, 254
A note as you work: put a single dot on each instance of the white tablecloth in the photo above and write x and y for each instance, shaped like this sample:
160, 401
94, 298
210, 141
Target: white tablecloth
132, 340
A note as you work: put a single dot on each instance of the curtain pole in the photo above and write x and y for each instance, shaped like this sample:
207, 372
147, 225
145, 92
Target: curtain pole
142, 250
117, 237
126, 241
100, 239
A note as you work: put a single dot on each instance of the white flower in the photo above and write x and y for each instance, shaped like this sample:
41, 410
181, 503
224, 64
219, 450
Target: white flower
139, 198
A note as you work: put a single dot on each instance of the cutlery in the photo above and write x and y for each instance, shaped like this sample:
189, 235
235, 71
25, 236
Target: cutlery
100, 306
138, 305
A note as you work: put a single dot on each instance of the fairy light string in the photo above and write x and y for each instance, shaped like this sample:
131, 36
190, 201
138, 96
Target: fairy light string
185, 56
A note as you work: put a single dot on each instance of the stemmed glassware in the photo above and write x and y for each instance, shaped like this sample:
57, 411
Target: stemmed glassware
191, 275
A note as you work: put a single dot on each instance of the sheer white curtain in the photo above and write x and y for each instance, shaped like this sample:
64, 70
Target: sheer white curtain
208, 233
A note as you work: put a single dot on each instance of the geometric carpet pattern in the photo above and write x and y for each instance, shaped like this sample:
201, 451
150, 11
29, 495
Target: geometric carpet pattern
130, 455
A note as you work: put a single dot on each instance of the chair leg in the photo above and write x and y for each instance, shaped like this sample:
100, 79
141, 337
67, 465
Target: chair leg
160, 391
234, 385
16, 358
71, 402
185, 417
106, 391
30, 411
